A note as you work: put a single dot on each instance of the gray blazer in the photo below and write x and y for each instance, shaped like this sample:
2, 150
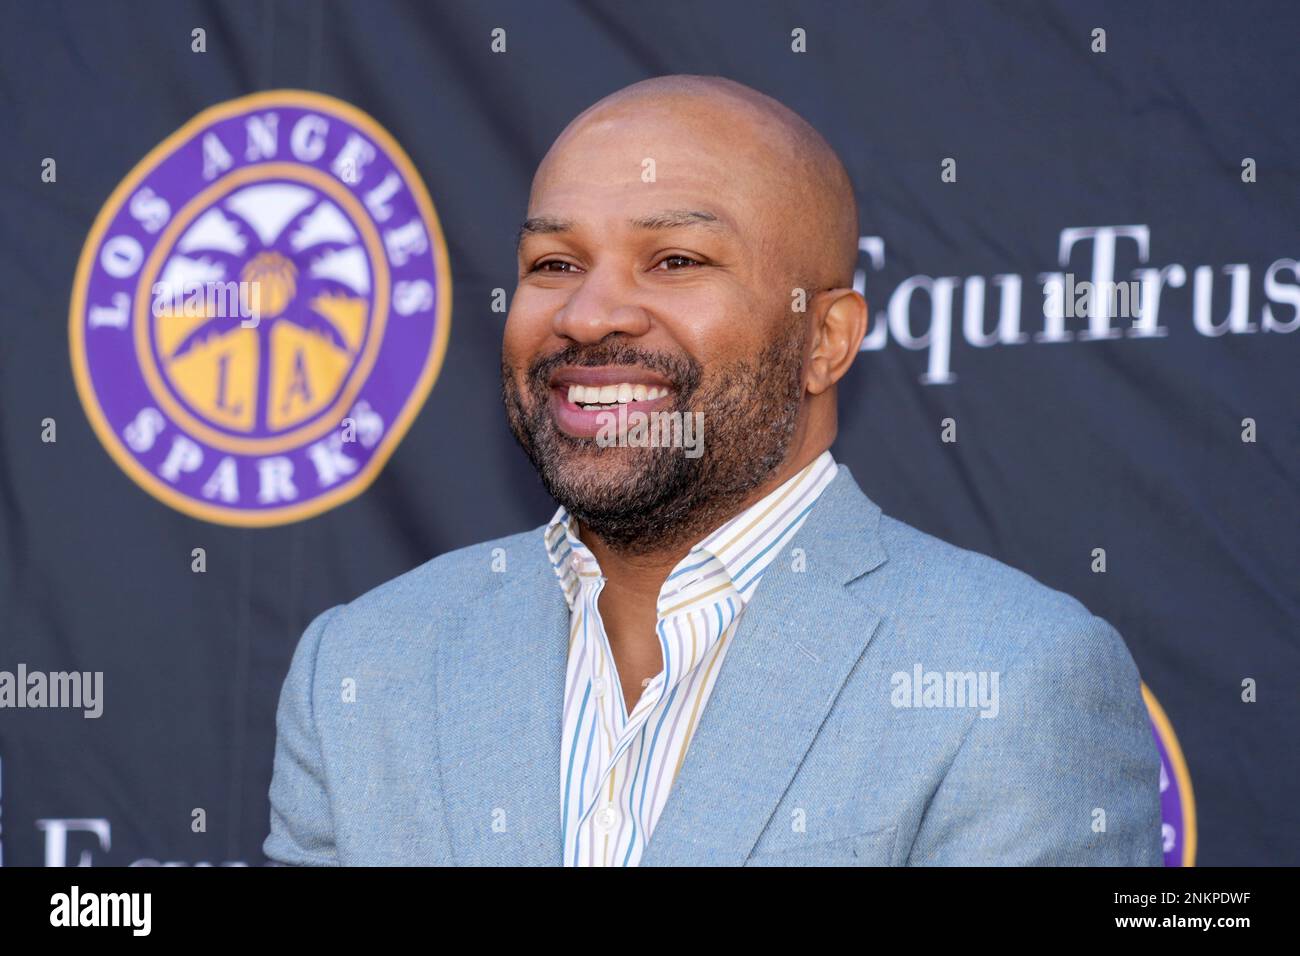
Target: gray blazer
889, 699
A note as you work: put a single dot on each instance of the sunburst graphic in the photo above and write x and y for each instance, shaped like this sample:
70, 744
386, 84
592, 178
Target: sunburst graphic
267, 309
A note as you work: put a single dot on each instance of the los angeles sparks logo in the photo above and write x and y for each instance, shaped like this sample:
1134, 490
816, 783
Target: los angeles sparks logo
261, 309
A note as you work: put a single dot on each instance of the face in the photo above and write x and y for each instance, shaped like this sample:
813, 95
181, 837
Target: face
667, 295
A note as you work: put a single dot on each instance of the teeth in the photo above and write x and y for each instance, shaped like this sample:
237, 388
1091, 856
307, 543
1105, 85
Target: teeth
614, 394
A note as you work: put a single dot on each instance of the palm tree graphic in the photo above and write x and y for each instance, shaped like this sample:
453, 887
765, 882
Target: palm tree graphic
278, 344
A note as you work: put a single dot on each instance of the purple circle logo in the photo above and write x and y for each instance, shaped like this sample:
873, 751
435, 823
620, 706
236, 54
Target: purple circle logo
261, 309
1177, 806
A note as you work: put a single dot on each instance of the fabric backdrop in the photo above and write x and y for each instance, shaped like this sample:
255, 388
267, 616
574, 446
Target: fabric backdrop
1146, 464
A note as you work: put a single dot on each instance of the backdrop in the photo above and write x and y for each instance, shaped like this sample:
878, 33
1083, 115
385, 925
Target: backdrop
173, 516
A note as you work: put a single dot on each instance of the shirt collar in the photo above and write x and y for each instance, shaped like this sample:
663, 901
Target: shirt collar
727, 562
569, 556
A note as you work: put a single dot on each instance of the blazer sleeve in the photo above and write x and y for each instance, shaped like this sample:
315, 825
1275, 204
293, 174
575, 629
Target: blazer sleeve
302, 825
1066, 774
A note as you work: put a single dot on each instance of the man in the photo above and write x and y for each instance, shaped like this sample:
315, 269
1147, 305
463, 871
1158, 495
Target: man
720, 654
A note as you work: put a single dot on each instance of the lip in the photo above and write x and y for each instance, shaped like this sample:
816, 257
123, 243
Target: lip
580, 422
597, 375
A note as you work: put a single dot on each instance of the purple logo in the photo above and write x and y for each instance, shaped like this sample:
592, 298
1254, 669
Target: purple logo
261, 309
1177, 806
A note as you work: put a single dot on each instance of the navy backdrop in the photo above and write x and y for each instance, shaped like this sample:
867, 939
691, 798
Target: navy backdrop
1074, 433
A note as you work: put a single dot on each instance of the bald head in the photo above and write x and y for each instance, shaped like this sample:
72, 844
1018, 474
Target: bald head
799, 188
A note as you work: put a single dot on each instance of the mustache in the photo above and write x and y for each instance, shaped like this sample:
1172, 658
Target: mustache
682, 371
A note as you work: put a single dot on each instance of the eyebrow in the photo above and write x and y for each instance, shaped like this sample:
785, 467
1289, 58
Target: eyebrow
675, 218
668, 219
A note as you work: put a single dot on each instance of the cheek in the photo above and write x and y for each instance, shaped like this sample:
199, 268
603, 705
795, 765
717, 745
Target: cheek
739, 338
745, 314
711, 325
523, 337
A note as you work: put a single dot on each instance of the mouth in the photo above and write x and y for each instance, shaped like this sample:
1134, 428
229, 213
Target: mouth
583, 398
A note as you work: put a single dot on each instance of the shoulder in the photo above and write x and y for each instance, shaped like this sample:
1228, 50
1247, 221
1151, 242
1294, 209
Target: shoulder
980, 605
460, 576
417, 604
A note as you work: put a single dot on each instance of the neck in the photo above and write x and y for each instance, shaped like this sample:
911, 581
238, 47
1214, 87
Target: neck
640, 576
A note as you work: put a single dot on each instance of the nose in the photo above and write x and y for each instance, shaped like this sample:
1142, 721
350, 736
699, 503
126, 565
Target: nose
601, 304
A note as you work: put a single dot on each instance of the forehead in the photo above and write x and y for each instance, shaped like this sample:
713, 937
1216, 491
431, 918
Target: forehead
622, 163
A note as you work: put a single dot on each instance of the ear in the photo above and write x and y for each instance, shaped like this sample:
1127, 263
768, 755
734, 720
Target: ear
840, 322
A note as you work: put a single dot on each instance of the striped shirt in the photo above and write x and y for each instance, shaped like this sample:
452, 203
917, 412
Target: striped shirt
616, 768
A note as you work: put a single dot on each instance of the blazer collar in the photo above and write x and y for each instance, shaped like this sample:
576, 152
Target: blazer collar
499, 696
846, 525
801, 635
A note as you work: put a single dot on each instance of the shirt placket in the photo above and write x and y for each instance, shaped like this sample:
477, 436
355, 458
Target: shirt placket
613, 712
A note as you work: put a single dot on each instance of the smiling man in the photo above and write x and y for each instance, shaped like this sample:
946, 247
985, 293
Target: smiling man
720, 658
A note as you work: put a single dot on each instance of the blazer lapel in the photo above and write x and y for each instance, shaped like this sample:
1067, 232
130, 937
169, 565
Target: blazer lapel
799, 637
499, 699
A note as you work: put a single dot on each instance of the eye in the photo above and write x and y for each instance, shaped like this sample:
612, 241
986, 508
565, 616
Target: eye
678, 259
545, 264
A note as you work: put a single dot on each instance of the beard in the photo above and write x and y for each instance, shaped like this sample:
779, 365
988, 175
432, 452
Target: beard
643, 499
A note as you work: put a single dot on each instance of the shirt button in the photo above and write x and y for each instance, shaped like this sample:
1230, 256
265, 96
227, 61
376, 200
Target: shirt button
598, 687
606, 817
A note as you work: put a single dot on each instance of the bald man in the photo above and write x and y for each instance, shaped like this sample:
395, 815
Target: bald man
718, 650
